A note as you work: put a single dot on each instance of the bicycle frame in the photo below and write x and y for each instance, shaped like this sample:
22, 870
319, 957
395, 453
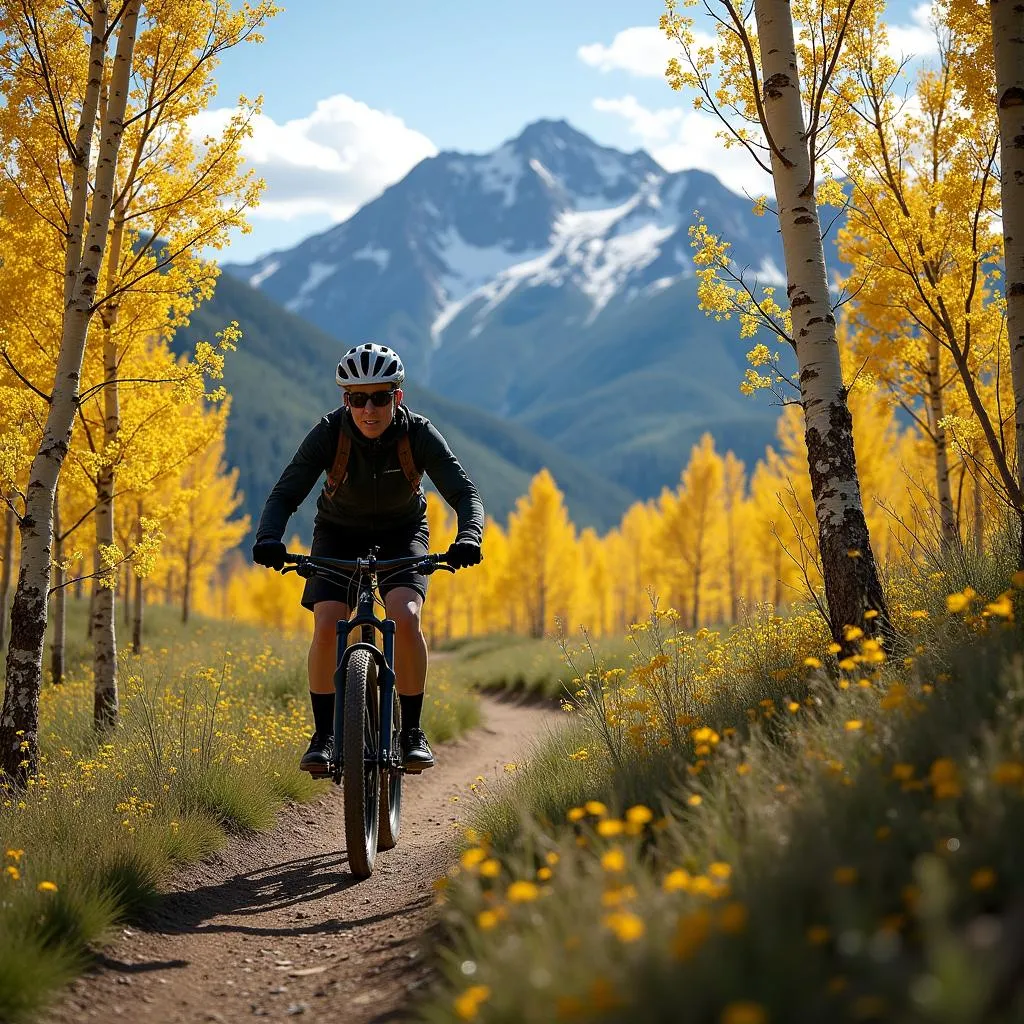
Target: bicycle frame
385, 661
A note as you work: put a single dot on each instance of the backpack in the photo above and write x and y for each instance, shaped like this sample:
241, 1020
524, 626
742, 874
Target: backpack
339, 469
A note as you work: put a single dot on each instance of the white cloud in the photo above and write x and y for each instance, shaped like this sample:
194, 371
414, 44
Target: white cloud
916, 40
328, 163
681, 139
641, 51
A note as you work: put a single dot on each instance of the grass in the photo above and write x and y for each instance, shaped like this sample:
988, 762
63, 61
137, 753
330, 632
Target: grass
213, 719
740, 831
521, 665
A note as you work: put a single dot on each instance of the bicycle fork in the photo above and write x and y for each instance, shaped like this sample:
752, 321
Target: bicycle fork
385, 680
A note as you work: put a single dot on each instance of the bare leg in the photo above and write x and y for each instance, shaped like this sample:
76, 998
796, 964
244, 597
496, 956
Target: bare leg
323, 651
404, 605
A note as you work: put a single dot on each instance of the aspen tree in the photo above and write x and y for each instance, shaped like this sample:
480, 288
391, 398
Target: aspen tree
988, 58
62, 87
758, 97
921, 244
1008, 49
542, 549
689, 515
205, 529
86, 232
734, 487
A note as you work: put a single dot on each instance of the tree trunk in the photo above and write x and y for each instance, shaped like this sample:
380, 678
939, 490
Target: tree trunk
104, 628
948, 533
19, 719
852, 586
186, 587
1008, 49
57, 642
10, 520
80, 581
140, 609
979, 499
697, 574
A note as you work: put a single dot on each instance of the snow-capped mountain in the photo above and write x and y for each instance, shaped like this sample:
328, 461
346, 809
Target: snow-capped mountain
500, 277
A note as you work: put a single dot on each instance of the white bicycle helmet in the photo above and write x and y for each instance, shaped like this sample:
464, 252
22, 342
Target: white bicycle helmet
370, 364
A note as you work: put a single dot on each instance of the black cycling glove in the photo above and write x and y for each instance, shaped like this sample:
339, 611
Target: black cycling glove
463, 553
269, 553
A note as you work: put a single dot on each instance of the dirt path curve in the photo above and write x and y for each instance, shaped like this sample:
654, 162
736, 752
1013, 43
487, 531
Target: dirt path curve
276, 927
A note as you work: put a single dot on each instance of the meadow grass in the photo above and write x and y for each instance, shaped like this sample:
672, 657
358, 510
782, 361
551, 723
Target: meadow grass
523, 665
213, 719
742, 830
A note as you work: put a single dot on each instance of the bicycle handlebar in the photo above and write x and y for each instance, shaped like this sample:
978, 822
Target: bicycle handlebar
425, 564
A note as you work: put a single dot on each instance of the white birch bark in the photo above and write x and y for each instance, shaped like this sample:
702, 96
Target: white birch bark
104, 626
851, 576
1008, 48
19, 719
60, 603
10, 520
949, 535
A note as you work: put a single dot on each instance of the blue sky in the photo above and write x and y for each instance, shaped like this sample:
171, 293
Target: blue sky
355, 95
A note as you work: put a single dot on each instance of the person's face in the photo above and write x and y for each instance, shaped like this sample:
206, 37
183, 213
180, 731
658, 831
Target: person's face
372, 420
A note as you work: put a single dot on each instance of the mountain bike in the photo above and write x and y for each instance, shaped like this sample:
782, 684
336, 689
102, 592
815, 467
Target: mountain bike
367, 759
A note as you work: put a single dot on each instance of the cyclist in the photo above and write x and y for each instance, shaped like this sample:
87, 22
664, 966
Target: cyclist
373, 450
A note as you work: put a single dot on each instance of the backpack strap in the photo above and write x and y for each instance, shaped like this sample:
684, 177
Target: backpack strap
339, 468
412, 474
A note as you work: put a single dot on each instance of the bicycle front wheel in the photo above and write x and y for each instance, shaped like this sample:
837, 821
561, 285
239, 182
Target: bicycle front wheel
360, 768
391, 787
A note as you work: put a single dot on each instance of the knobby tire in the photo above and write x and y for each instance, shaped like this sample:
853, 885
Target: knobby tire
361, 784
391, 789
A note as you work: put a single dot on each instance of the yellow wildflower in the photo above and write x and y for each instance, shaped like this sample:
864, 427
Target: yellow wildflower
744, 1013
983, 878
467, 1005
676, 880
522, 892
1009, 773
613, 860
639, 815
627, 926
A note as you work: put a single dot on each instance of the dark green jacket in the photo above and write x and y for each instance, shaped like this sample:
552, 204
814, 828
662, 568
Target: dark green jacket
376, 495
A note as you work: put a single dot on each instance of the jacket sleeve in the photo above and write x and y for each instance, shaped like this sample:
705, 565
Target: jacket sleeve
313, 458
452, 483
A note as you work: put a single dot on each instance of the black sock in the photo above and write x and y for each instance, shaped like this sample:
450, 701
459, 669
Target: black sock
323, 713
412, 705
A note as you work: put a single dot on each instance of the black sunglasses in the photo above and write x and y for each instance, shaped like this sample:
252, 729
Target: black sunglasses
358, 399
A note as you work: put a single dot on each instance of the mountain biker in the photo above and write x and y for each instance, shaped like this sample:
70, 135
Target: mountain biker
372, 449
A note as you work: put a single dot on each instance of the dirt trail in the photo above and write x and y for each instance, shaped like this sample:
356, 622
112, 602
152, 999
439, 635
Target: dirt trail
276, 927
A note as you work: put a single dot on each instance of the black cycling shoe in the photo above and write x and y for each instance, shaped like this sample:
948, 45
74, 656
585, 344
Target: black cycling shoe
317, 760
416, 753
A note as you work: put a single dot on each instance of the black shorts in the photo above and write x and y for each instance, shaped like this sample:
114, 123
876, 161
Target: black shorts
333, 542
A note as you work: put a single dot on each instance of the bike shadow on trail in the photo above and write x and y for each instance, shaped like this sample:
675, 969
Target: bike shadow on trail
228, 906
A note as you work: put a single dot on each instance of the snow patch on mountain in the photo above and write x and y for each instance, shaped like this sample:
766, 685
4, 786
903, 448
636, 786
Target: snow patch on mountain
263, 273
318, 273
374, 253
468, 266
543, 173
500, 172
